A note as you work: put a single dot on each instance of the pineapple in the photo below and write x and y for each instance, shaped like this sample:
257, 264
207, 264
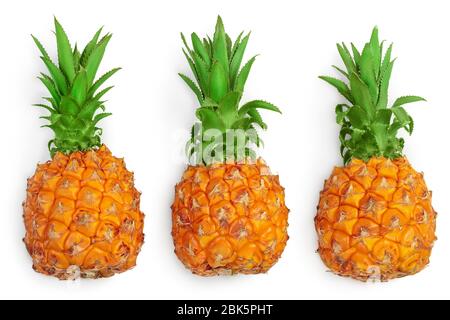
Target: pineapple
375, 219
229, 214
81, 212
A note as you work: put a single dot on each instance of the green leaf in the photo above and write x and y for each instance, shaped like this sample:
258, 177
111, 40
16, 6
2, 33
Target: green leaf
229, 46
356, 54
191, 84
341, 87
257, 104
361, 94
394, 127
346, 58
243, 75
95, 58
50, 109
383, 116
65, 55
207, 42
183, 38
53, 119
193, 68
48, 118
368, 75
89, 109
209, 119
210, 103
237, 59
202, 70
41, 48
401, 115
386, 61
220, 51
200, 49
72, 125
358, 117
218, 84
344, 133
100, 116
345, 74
76, 58
69, 106
79, 87
50, 85
235, 45
52, 102
410, 127
99, 95
407, 99
341, 112
381, 137
242, 123
384, 86
57, 75
375, 50
256, 117
101, 81
228, 107
90, 47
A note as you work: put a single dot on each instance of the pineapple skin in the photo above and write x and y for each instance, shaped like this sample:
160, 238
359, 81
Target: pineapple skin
82, 216
375, 220
229, 219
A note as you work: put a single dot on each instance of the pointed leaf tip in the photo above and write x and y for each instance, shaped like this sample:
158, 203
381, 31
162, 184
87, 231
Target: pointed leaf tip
65, 56
219, 20
407, 99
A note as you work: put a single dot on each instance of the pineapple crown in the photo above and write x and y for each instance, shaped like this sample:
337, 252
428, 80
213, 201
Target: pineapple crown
75, 95
369, 126
219, 85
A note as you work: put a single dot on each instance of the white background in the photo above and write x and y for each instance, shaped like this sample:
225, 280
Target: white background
151, 106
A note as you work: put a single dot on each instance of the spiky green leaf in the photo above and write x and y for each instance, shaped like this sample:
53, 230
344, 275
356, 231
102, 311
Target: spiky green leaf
341, 87
218, 83
210, 119
256, 117
80, 87
243, 75
90, 47
361, 94
200, 49
237, 59
228, 107
100, 116
57, 75
191, 84
101, 81
384, 86
95, 58
51, 87
407, 99
220, 45
346, 58
65, 55
258, 104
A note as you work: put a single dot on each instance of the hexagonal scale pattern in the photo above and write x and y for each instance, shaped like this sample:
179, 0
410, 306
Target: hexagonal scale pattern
375, 220
82, 216
229, 218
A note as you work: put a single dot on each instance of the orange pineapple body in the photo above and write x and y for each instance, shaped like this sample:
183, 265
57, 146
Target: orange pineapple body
375, 220
82, 216
229, 218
